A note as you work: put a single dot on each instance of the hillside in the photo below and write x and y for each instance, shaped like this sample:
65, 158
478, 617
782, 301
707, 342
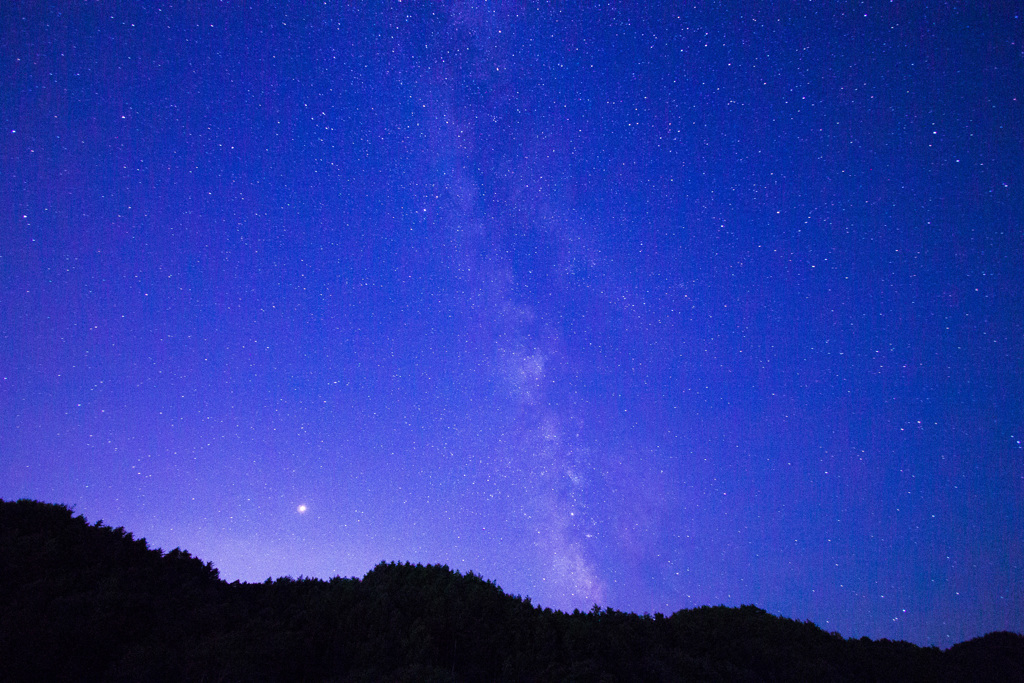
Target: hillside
81, 602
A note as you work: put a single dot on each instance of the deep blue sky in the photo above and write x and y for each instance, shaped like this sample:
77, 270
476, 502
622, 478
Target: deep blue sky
646, 308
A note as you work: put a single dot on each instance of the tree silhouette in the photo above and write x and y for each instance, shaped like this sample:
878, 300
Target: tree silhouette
82, 602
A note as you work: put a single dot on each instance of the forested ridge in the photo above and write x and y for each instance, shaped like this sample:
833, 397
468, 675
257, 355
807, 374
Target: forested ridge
81, 602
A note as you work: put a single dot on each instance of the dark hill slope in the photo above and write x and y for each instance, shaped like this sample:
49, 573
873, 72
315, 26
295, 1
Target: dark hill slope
82, 602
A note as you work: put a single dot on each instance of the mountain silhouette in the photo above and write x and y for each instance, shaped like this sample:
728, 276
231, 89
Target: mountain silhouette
81, 602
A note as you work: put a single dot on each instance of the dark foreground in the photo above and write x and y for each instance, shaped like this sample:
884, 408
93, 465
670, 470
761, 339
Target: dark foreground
90, 603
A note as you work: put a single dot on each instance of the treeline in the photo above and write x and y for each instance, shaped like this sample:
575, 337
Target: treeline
82, 602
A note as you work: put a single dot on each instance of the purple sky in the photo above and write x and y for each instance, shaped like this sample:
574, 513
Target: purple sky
645, 308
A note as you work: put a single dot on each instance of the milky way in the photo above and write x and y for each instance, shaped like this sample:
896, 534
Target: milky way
648, 308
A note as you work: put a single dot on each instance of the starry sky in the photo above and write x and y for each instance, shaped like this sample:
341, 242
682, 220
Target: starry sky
644, 307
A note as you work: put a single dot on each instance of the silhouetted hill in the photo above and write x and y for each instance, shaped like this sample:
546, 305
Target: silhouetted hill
82, 602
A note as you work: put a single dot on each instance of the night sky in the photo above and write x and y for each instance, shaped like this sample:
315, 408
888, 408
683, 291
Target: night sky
648, 308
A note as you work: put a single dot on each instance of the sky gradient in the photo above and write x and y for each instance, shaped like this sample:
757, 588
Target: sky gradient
648, 308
